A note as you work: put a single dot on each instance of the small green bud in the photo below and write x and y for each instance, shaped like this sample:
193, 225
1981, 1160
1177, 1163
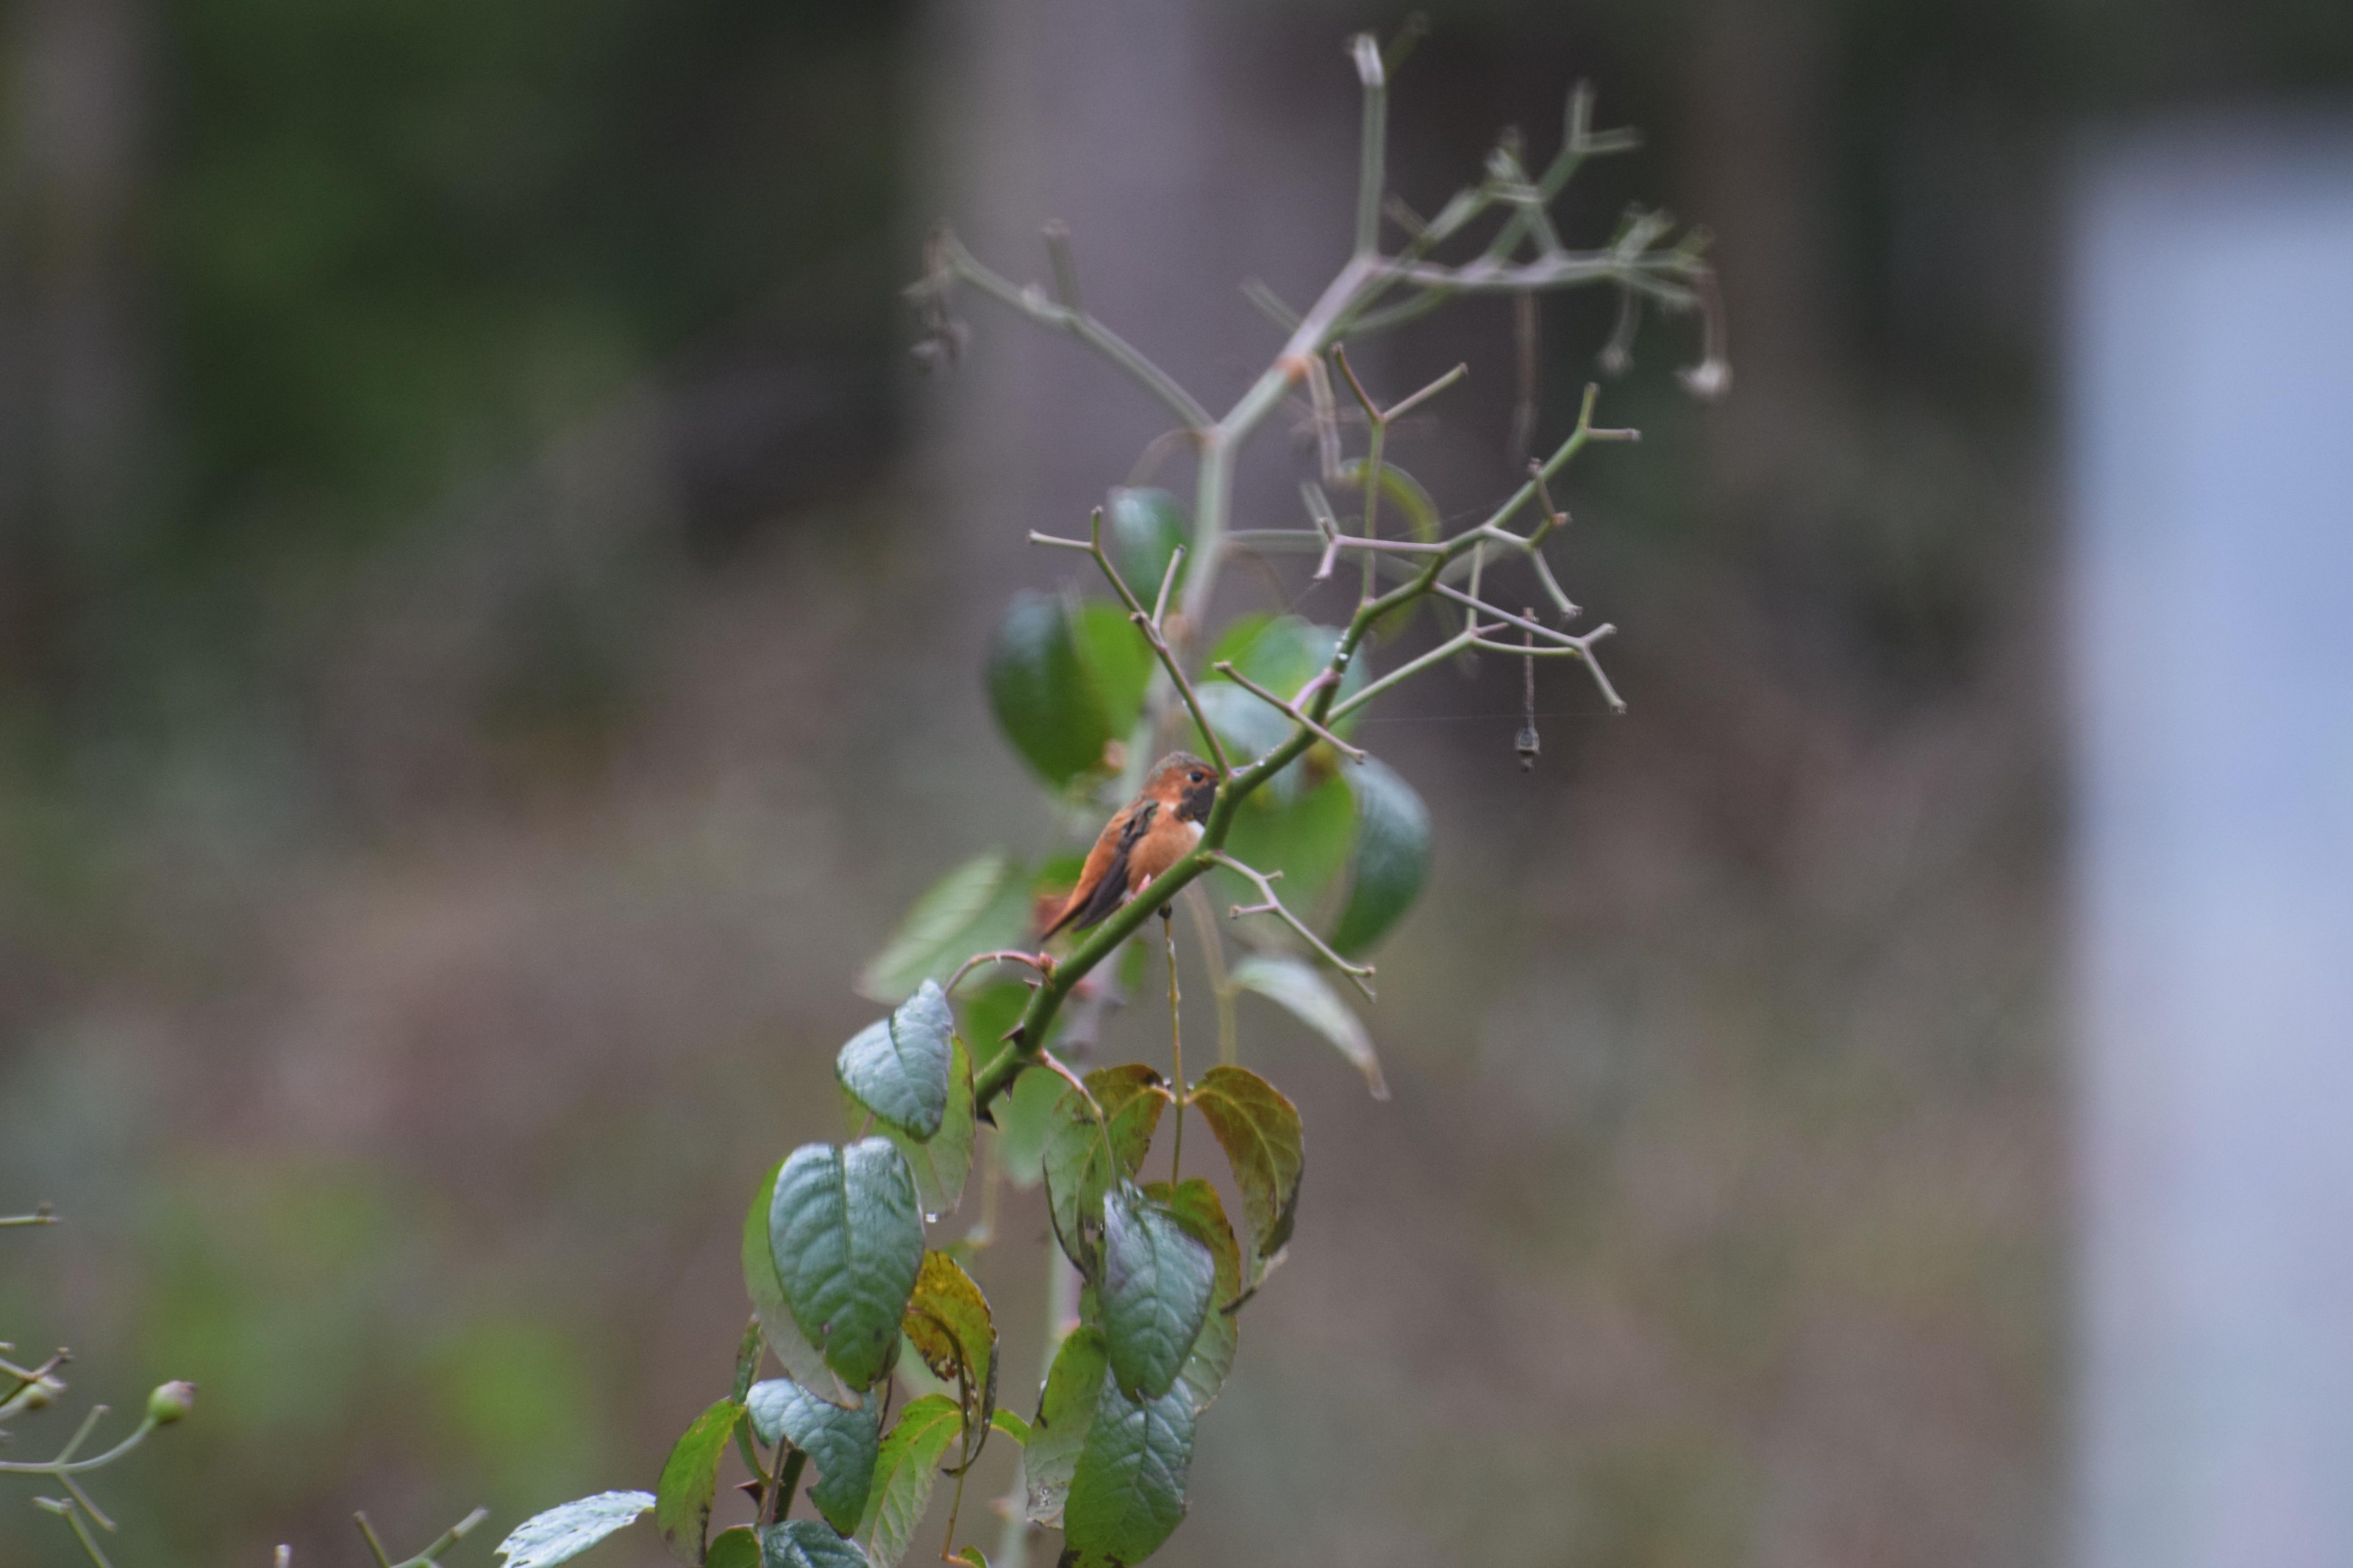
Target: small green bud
170, 1401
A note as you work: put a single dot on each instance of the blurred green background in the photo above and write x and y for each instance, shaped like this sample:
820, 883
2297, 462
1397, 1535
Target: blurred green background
490, 638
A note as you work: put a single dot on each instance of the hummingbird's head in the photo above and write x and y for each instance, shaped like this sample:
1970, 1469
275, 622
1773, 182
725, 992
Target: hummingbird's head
1184, 785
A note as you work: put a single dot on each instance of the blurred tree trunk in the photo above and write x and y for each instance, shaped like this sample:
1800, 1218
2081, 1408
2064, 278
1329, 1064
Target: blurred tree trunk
1187, 146
72, 373
1759, 84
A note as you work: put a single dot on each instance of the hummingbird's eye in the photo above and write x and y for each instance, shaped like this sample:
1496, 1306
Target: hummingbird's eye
1200, 778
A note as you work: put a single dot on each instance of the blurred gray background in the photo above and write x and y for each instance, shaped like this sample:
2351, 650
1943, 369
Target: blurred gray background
490, 634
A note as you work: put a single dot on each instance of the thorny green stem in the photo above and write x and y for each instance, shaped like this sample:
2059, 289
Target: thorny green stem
789, 1466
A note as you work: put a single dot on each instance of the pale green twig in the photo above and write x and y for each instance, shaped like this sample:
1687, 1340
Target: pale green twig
1379, 419
1288, 709
64, 1509
1270, 904
1068, 318
429, 1557
65, 1464
1148, 622
1372, 144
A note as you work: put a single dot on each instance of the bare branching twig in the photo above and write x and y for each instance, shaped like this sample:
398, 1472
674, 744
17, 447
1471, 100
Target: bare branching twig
428, 1558
1149, 623
1270, 904
1373, 289
1288, 709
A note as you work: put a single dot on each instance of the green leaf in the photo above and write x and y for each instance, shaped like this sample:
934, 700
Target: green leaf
1156, 1280
1249, 729
840, 1443
1057, 874
903, 1473
979, 907
1026, 1115
848, 1240
949, 1324
1283, 653
990, 1011
1233, 644
1301, 989
1146, 527
1259, 1130
1391, 858
1118, 660
1306, 839
1012, 1425
806, 1544
1065, 1410
1044, 699
942, 1163
563, 1533
688, 1476
1196, 1206
1399, 490
1279, 652
737, 1548
784, 1335
1401, 496
1077, 1175
915, 1377
898, 1066
748, 1353
1128, 1491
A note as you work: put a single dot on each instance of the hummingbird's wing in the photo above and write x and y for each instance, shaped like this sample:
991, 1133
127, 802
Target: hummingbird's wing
1102, 889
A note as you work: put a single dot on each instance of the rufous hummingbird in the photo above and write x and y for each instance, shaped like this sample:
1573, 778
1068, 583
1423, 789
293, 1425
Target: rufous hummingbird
1143, 838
